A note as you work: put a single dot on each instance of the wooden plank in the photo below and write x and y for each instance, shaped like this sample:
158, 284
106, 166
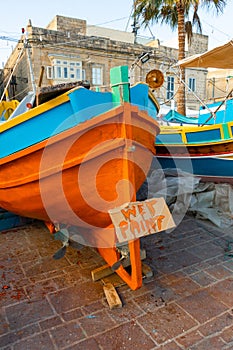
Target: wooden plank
114, 279
112, 296
101, 272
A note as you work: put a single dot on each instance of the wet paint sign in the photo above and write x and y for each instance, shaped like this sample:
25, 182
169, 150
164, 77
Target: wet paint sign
136, 219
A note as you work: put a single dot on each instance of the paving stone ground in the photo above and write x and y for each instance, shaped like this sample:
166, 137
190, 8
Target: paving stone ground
48, 304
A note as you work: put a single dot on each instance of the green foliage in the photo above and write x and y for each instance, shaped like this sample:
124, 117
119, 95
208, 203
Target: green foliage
167, 12
176, 14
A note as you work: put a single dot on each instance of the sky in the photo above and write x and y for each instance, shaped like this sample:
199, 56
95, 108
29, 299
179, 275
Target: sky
114, 14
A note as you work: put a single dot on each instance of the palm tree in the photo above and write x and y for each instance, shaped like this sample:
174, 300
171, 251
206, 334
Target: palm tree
176, 14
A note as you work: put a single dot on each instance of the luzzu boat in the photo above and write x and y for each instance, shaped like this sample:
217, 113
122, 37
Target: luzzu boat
73, 158
173, 117
209, 114
204, 150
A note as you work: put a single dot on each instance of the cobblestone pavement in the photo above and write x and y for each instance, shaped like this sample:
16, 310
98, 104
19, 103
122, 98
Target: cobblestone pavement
54, 304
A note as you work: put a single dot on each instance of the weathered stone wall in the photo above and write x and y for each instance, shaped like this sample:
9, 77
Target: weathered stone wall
219, 83
199, 44
74, 25
18, 65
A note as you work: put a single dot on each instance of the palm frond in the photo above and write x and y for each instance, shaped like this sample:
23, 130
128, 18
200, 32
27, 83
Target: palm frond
197, 22
218, 5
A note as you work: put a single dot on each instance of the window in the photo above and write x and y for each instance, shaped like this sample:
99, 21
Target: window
192, 84
78, 74
49, 70
170, 86
97, 76
58, 72
72, 73
65, 70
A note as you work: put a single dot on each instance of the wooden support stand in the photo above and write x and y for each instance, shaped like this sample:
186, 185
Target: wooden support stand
114, 280
105, 270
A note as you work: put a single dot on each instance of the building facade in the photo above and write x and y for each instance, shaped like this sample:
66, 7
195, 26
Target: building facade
69, 50
219, 84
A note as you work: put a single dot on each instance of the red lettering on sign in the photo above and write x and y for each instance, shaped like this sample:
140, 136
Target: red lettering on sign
128, 212
123, 227
150, 206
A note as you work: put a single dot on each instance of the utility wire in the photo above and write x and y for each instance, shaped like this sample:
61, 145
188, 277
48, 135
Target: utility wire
130, 16
114, 20
215, 28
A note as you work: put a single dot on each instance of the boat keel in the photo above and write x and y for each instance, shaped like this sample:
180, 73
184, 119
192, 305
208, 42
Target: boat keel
111, 255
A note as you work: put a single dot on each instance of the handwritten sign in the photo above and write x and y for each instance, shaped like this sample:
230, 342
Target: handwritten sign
136, 219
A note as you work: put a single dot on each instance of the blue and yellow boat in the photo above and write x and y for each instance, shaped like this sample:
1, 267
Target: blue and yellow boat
203, 151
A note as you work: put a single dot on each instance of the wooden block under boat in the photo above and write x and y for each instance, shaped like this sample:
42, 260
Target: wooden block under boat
112, 296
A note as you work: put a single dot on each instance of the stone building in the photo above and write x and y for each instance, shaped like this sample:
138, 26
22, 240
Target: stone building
69, 50
219, 84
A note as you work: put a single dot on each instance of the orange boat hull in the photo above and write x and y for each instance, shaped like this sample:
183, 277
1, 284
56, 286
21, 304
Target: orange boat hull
75, 177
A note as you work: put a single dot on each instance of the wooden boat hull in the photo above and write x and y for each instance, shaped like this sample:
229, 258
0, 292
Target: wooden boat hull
71, 159
75, 177
214, 169
205, 151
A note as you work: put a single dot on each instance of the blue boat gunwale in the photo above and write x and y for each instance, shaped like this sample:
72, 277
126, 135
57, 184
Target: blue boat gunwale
61, 99
34, 112
106, 117
43, 108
